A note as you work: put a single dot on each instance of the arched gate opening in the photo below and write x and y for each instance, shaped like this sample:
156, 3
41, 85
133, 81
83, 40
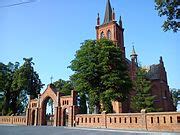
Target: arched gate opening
48, 112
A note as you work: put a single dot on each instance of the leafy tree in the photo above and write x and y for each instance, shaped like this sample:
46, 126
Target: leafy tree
100, 71
64, 86
82, 103
176, 96
27, 79
6, 80
16, 83
142, 98
170, 9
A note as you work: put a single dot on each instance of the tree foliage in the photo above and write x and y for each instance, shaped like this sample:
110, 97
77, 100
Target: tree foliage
15, 83
28, 79
142, 98
101, 74
176, 96
170, 9
7, 73
63, 86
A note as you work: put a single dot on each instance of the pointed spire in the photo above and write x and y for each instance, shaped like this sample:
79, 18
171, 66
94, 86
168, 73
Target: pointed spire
98, 20
133, 51
108, 13
161, 60
120, 21
113, 15
133, 54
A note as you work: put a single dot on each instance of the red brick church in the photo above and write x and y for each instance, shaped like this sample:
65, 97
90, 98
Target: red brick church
65, 109
113, 30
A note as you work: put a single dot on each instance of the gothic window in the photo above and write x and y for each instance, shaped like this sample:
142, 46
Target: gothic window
102, 34
109, 34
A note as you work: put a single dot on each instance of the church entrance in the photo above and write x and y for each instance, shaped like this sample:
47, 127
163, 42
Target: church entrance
65, 117
48, 112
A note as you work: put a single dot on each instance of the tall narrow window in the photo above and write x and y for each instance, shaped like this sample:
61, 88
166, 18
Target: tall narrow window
98, 120
109, 34
89, 120
157, 119
102, 34
130, 120
151, 119
110, 120
171, 120
135, 119
119, 120
178, 119
114, 120
164, 119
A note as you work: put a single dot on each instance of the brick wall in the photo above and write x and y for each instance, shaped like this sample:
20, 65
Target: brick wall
166, 121
163, 121
16, 120
91, 120
126, 121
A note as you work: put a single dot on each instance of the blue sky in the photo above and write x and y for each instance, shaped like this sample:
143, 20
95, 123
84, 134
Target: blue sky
51, 31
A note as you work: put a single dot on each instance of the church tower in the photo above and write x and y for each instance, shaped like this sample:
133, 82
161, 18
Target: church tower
110, 29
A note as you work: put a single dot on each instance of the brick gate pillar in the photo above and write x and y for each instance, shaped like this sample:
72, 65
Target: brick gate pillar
36, 117
28, 116
55, 117
71, 118
143, 117
59, 116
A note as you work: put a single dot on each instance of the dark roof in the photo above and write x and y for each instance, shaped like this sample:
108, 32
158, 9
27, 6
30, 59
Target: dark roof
128, 61
154, 72
108, 13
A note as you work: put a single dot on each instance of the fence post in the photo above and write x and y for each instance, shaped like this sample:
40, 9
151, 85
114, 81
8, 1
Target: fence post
104, 121
144, 122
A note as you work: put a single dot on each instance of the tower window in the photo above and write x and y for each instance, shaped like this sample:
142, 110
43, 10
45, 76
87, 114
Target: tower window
109, 34
102, 34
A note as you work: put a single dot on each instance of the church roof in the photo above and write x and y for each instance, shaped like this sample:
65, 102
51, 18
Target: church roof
154, 72
108, 13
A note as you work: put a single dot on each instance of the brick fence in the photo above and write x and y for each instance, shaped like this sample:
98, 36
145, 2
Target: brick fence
16, 120
161, 121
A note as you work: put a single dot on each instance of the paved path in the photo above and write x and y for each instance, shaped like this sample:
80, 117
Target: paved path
47, 130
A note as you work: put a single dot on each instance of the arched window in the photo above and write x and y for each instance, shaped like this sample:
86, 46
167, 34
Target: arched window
108, 34
102, 34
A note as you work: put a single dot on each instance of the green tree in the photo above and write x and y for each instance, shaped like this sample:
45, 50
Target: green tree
101, 74
16, 83
176, 96
142, 98
26, 78
82, 103
63, 86
6, 80
170, 9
